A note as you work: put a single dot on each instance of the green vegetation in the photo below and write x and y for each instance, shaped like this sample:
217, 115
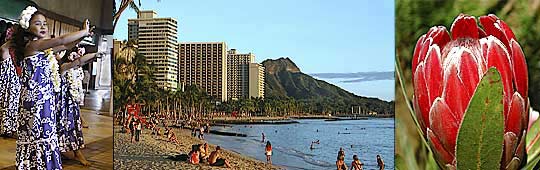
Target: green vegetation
289, 92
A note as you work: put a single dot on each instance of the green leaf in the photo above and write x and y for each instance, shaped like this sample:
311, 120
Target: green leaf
480, 137
533, 145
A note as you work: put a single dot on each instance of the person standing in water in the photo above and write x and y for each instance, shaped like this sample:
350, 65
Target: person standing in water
356, 164
340, 163
380, 162
263, 137
37, 138
201, 133
268, 152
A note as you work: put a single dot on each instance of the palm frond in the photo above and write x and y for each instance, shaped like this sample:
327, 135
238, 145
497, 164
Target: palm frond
134, 6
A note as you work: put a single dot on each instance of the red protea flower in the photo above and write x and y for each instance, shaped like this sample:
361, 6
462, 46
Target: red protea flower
447, 69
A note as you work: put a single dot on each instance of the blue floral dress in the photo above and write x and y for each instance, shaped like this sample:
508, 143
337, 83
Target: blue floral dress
70, 134
10, 90
37, 144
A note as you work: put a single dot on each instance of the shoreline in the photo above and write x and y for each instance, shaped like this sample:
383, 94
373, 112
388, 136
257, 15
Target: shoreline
297, 154
224, 121
152, 151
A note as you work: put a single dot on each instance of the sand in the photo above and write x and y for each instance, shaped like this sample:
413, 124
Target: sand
153, 152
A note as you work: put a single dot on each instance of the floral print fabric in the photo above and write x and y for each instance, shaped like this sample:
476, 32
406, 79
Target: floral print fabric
10, 89
70, 134
37, 144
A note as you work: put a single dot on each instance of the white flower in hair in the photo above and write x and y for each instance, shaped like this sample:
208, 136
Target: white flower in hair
26, 14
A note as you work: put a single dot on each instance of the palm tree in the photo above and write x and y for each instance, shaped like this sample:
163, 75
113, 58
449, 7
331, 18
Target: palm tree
124, 4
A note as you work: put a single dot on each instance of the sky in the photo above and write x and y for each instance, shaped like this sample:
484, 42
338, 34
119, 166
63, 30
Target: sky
352, 38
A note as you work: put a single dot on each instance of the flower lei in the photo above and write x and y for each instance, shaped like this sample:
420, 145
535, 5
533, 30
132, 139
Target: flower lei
55, 74
26, 14
75, 77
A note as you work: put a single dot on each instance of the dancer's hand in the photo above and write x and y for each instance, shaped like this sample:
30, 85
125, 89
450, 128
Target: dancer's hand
81, 51
73, 56
91, 33
60, 55
86, 26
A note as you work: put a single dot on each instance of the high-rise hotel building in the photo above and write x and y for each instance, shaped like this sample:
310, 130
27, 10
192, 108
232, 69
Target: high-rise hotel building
157, 41
256, 80
238, 74
204, 64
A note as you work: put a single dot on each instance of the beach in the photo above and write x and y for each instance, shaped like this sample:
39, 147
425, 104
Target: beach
291, 142
153, 152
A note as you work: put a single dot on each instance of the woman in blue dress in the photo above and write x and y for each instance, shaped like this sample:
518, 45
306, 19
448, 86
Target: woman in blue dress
10, 89
37, 140
70, 134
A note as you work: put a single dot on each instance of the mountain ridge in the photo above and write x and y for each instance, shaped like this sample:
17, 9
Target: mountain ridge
283, 80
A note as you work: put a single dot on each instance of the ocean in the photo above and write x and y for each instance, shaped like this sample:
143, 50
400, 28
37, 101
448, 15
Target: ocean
291, 142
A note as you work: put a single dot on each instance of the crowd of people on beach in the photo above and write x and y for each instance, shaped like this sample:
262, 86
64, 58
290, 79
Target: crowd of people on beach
199, 154
356, 164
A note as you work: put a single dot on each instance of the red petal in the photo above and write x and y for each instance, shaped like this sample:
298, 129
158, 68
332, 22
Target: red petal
481, 33
421, 94
513, 117
468, 71
423, 52
419, 115
444, 124
455, 92
439, 35
433, 73
416, 53
441, 153
436, 35
464, 26
493, 27
507, 30
519, 69
510, 143
497, 56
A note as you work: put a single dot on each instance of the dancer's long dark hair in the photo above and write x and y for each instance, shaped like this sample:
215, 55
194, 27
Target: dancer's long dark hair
21, 37
3, 36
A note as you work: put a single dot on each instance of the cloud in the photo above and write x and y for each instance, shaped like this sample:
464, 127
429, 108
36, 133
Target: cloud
357, 77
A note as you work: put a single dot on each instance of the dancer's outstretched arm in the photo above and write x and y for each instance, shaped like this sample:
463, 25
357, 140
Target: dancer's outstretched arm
80, 61
68, 46
40, 45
